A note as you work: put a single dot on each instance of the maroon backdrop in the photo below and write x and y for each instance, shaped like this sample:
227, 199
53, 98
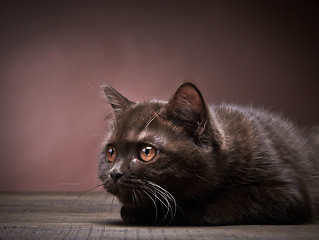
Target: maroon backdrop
54, 56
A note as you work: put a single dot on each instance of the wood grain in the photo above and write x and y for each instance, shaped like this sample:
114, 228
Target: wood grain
96, 216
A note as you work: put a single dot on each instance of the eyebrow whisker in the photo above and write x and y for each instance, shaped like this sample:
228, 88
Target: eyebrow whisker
150, 120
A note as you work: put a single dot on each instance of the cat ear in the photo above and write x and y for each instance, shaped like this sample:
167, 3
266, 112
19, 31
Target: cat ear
117, 100
188, 109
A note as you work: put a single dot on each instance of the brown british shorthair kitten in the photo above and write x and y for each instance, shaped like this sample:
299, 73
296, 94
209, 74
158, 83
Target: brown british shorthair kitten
183, 162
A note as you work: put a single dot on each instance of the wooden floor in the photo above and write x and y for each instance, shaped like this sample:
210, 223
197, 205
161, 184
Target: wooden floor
95, 216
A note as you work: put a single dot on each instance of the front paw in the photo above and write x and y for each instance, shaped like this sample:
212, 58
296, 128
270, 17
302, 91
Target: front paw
139, 215
129, 215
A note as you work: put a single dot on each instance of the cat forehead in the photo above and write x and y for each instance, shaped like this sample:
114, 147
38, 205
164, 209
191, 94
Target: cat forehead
139, 123
140, 113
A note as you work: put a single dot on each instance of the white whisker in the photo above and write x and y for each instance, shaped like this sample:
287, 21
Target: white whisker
150, 120
154, 202
166, 199
203, 179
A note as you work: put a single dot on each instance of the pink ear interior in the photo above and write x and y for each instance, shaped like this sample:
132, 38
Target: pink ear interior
188, 95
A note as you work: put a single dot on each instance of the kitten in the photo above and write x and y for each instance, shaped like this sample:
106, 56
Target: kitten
182, 162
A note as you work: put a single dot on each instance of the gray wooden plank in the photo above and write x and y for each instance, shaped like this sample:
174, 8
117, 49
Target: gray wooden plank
96, 216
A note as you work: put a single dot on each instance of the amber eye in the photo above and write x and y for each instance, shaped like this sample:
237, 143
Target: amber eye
147, 153
111, 153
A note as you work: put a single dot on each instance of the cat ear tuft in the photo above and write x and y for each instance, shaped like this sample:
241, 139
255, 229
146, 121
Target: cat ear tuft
118, 101
188, 109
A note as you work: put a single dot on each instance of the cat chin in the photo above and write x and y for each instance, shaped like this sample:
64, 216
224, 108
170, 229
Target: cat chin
123, 198
126, 200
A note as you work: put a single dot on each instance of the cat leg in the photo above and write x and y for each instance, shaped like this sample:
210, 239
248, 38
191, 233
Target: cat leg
128, 215
149, 215
136, 215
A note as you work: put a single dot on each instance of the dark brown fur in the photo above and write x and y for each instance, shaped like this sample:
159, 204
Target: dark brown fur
214, 166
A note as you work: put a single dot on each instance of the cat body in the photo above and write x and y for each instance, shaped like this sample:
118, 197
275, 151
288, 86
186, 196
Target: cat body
181, 162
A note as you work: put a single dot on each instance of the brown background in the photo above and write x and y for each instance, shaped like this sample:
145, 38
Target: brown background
54, 56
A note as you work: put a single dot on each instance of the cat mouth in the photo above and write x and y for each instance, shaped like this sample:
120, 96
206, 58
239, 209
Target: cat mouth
122, 190
138, 193
113, 189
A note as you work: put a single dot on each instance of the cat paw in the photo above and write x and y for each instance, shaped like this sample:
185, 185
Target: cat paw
129, 215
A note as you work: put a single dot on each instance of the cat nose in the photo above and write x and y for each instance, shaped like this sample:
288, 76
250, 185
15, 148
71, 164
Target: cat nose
115, 175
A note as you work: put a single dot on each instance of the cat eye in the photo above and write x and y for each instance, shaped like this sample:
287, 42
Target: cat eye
111, 154
147, 153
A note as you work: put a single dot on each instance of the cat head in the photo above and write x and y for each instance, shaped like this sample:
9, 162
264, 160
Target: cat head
169, 145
